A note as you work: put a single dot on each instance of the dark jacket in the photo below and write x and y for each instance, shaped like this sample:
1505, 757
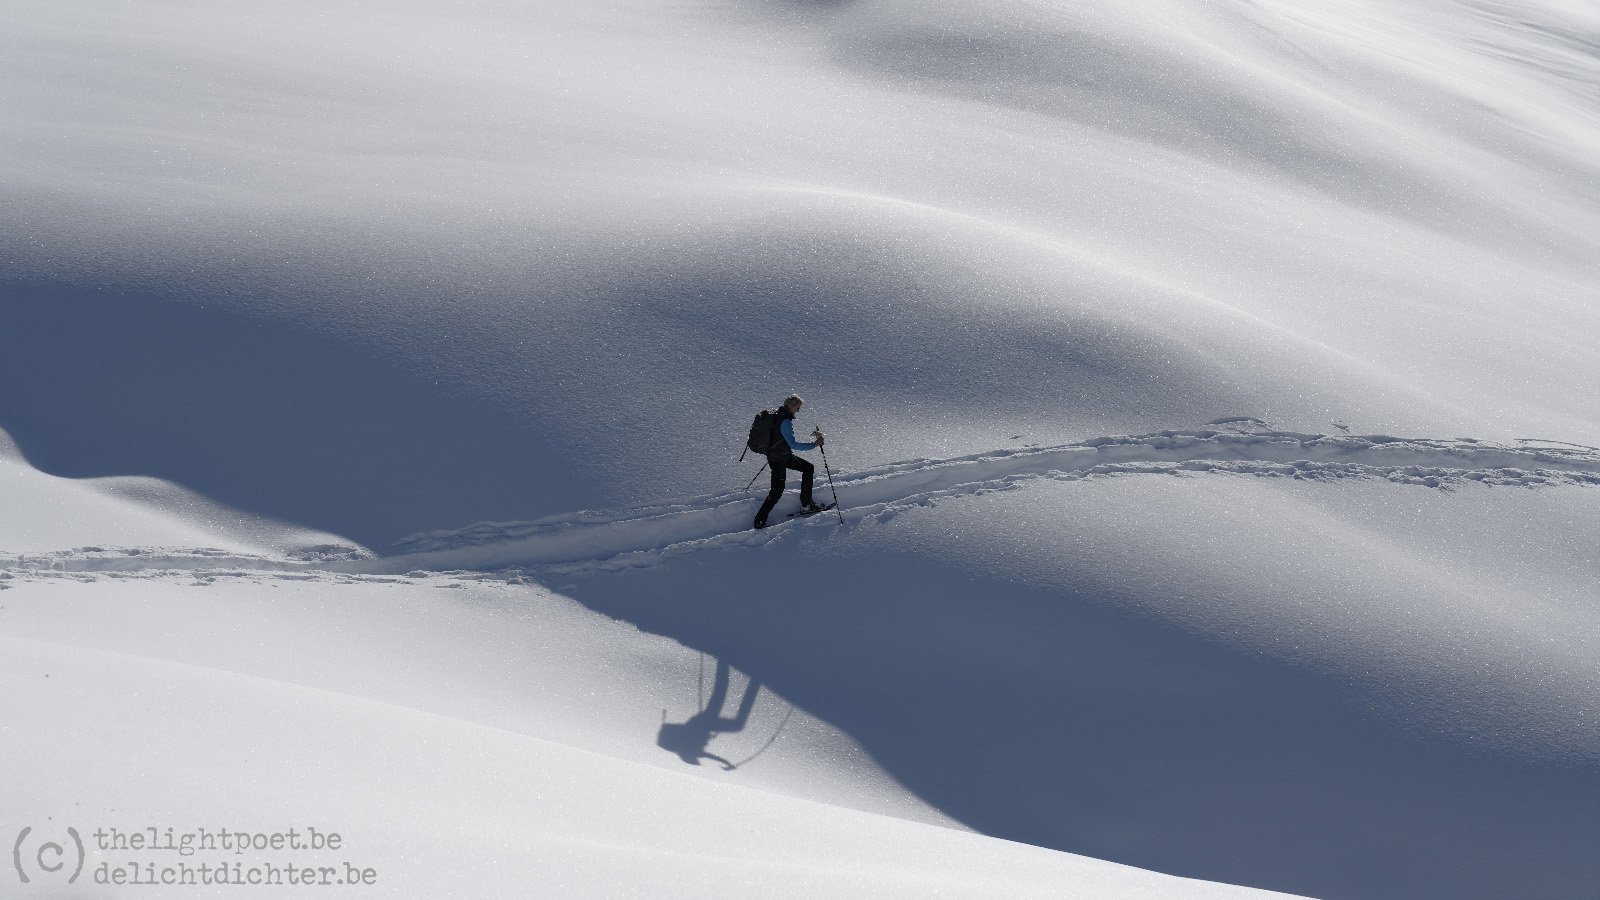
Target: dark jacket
783, 443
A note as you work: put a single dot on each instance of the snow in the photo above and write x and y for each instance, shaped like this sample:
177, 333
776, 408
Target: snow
561, 821
1209, 393
601, 538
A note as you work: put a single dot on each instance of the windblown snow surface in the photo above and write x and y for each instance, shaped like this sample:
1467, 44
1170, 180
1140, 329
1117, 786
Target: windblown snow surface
1211, 391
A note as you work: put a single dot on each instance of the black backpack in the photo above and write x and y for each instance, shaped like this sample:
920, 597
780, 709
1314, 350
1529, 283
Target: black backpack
763, 433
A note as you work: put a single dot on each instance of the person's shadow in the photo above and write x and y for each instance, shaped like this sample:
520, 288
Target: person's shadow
689, 739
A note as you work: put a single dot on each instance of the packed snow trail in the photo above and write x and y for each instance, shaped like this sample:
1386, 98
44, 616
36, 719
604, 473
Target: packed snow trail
600, 540
617, 539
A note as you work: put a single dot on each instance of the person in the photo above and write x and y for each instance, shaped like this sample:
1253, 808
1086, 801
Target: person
781, 458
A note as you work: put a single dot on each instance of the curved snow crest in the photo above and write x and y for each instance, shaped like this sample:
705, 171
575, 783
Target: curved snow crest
207, 564
619, 539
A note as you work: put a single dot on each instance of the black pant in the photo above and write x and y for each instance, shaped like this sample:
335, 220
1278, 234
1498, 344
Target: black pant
779, 476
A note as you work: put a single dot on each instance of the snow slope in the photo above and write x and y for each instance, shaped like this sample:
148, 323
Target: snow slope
947, 223
468, 736
302, 299
442, 806
1111, 648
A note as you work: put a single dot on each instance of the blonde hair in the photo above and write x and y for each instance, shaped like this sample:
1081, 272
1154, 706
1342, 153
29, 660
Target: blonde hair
792, 400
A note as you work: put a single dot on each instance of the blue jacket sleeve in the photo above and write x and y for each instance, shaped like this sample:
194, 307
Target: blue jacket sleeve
787, 427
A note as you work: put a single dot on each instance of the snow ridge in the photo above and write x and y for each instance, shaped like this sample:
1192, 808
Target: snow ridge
616, 539
611, 540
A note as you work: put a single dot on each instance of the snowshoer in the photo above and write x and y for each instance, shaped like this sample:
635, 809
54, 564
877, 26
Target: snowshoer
781, 458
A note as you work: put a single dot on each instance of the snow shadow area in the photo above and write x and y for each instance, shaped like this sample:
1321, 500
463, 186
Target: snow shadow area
270, 418
691, 738
1064, 717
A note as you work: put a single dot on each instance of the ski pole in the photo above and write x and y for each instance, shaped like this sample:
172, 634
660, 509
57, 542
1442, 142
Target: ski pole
817, 432
755, 476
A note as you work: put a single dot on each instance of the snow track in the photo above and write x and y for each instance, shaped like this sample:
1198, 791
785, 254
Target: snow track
617, 539
599, 540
